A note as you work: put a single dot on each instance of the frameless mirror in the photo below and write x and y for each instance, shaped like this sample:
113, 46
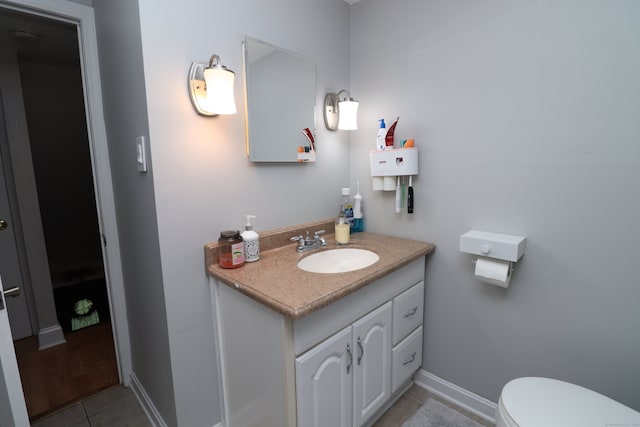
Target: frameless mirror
280, 91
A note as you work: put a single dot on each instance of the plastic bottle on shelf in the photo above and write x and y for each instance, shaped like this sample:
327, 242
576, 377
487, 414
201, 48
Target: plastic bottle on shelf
382, 134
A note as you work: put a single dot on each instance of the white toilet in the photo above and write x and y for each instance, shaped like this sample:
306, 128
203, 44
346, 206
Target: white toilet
545, 402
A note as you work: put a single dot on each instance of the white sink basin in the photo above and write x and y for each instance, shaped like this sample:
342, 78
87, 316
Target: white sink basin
338, 260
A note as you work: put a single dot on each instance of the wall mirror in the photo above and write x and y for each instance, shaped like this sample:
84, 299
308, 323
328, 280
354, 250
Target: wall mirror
280, 91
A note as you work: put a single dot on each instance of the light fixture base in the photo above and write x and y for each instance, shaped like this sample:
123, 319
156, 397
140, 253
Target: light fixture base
198, 88
331, 115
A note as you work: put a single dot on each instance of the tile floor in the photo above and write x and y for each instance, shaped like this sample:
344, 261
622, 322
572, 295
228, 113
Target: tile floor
410, 402
119, 407
114, 407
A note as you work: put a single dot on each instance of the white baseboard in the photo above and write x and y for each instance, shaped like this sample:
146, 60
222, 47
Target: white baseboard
50, 337
465, 399
147, 405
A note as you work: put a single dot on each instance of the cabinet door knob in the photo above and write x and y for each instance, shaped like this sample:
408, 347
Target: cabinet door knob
350, 358
361, 350
410, 360
413, 311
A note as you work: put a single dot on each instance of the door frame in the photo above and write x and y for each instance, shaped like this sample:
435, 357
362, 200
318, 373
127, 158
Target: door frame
12, 404
83, 17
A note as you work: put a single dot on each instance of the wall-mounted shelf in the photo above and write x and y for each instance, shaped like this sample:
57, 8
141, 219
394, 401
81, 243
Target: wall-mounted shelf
395, 162
307, 157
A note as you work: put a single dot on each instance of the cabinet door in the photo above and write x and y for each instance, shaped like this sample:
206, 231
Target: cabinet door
372, 361
324, 383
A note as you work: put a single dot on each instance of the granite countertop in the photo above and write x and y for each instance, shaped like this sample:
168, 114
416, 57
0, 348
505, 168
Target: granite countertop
276, 282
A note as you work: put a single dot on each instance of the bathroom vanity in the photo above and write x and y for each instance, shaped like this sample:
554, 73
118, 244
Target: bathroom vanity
300, 349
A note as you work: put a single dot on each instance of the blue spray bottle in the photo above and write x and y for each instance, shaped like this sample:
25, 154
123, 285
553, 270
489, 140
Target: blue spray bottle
358, 212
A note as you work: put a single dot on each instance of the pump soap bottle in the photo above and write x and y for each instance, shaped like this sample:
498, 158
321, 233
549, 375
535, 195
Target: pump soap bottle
251, 241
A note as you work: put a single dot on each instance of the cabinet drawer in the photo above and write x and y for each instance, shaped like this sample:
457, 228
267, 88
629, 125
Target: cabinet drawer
406, 359
408, 310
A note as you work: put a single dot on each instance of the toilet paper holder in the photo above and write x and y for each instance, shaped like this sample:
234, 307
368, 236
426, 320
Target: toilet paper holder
493, 245
505, 249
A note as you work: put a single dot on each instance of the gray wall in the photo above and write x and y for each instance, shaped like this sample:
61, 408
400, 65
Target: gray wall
200, 180
526, 115
203, 180
125, 111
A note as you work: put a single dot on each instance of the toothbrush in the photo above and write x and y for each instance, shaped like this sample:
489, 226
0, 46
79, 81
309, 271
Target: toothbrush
410, 196
398, 195
307, 132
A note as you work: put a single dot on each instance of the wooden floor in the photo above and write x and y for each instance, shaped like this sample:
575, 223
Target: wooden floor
55, 377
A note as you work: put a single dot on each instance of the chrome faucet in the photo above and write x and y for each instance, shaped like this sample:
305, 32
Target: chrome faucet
307, 243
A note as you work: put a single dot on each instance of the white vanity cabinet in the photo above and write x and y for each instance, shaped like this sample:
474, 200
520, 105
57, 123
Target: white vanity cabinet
341, 365
345, 379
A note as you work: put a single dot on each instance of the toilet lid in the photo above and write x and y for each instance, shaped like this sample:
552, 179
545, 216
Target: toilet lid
547, 402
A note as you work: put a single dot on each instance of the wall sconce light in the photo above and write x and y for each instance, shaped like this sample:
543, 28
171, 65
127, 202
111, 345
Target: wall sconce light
340, 113
211, 87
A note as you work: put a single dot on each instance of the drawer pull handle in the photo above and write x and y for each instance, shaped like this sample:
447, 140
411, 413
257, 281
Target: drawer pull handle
361, 351
350, 358
413, 357
412, 312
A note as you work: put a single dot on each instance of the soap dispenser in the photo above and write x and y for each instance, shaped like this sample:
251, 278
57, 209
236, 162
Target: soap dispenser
251, 241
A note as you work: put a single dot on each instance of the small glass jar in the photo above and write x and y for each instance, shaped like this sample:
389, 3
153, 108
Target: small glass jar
230, 249
342, 231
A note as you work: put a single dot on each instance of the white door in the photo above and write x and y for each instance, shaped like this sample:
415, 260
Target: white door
372, 363
9, 262
324, 383
13, 410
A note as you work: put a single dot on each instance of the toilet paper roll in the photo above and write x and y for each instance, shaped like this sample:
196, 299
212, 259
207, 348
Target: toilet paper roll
378, 183
389, 183
493, 271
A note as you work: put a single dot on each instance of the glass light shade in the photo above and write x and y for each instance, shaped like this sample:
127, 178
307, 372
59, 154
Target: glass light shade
220, 99
348, 115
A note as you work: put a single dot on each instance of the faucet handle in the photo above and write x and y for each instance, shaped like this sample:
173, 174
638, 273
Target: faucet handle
299, 239
317, 238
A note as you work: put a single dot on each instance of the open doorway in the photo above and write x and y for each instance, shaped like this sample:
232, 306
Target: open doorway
52, 89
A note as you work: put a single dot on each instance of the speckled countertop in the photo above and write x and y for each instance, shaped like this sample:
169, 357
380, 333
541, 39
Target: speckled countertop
276, 282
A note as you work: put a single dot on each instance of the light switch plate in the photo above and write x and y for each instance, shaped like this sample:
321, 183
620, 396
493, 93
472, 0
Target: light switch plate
141, 154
